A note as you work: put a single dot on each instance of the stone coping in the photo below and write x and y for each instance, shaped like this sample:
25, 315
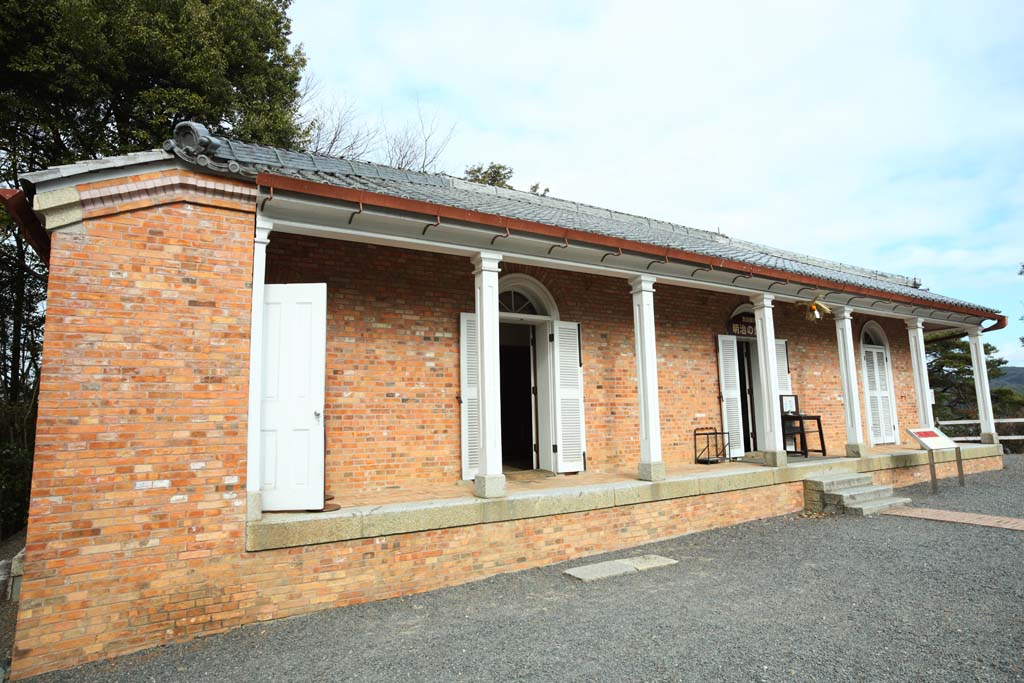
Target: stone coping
288, 530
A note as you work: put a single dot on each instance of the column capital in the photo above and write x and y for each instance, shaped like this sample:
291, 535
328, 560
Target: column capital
486, 262
762, 300
914, 324
974, 332
842, 313
642, 283
264, 226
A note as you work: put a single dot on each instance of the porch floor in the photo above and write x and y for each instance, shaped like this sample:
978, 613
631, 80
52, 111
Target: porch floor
539, 493
524, 481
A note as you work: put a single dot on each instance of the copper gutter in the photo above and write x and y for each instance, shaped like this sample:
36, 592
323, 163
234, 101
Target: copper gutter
504, 223
31, 229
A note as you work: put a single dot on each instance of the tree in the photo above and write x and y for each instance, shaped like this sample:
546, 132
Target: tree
494, 174
498, 175
951, 374
86, 79
418, 145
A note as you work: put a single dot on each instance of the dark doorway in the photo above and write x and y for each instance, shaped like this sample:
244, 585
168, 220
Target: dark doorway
517, 430
743, 349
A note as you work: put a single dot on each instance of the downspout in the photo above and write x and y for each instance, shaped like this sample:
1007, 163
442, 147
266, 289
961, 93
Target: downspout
17, 205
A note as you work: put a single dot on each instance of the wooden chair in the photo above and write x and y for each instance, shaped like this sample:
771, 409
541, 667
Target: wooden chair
794, 425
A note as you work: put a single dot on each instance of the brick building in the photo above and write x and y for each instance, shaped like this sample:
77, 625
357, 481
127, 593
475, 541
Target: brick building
460, 380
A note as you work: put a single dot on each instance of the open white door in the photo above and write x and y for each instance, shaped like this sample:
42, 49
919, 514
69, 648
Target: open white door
729, 383
292, 404
569, 442
469, 397
878, 395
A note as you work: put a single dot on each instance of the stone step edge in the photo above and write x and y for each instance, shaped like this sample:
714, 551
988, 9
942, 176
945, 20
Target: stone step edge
836, 482
874, 507
859, 494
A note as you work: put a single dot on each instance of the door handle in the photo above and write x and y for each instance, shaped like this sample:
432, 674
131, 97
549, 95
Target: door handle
316, 414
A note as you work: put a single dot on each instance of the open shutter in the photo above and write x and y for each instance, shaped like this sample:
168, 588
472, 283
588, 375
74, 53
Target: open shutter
469, 366
732, 400
782, 362
570, 437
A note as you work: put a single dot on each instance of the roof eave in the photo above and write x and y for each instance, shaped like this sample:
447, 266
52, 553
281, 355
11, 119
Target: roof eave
438, 211
25, 218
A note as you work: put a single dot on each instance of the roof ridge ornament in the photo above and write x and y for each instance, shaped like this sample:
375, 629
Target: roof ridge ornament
194, 138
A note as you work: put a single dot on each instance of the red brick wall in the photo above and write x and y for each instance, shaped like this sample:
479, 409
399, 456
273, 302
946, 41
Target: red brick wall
393, 360
392, 413
138, 480
137, 518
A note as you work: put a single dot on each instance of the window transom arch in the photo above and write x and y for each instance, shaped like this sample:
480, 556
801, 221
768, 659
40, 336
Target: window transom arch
524, 295
874, 335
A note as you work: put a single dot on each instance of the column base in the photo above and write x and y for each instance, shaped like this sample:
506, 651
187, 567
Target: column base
989, 437
253, 506
651, 471
856, 450
767, 458
489, 486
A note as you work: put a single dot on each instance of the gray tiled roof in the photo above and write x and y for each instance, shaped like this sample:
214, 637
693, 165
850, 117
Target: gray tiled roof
248, 159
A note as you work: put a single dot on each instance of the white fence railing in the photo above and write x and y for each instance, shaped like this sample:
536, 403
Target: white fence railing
943, 423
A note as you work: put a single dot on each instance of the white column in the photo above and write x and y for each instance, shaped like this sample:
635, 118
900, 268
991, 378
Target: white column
253, 469
651, 467
981, 388
490, 481
768, 404
919, 366
855, 446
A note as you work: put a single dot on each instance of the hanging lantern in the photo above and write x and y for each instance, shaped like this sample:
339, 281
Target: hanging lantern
815, 310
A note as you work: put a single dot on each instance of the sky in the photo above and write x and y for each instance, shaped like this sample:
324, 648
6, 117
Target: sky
882, 134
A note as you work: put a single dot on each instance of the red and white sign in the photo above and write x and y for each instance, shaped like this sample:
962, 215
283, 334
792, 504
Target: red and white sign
932, 439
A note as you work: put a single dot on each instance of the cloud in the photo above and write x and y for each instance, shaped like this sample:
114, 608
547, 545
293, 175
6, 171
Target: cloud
887, 135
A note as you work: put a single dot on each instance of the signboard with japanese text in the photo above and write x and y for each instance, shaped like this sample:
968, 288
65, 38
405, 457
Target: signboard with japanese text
742, 325
932, 439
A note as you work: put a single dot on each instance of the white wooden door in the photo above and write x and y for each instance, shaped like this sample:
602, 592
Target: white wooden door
570, 446
732, 401
292, 404
469, 367
878, 395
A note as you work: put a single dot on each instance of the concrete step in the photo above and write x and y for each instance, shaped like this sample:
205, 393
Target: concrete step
874, 507
834, 482
857, 494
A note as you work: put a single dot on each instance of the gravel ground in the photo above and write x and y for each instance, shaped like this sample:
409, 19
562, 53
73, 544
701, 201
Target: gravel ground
786, 599
986, 493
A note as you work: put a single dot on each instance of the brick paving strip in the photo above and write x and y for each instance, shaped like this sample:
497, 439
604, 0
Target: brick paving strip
1012, 523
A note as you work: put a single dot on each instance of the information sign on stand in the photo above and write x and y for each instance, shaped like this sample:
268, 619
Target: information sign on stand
931, 439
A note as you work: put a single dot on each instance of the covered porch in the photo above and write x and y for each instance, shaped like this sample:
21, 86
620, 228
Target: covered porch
469, 278
412, 509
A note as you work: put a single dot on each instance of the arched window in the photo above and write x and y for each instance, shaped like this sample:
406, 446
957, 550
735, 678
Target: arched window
878, 388
520, 294
514, 301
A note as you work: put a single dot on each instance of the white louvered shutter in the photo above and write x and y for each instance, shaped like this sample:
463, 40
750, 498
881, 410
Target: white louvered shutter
879, 395
570, 434
469, 367
884, 396
782, 358
732, 400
